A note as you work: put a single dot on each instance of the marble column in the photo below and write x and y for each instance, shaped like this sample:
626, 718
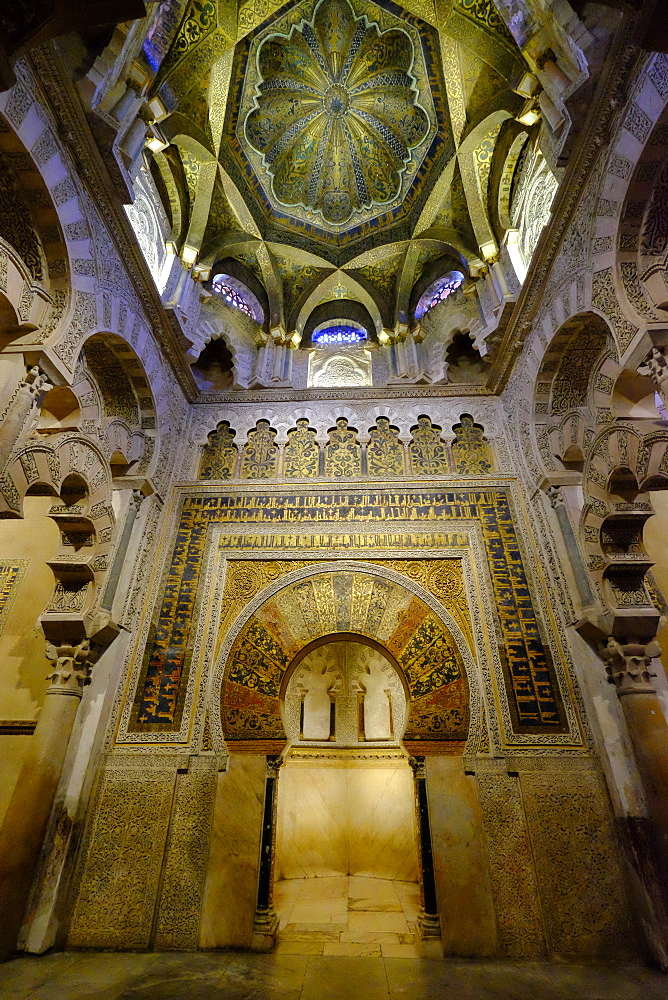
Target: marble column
115, 572
628, 668
265, 925
16, 421
557, 503
428, 921
24, 827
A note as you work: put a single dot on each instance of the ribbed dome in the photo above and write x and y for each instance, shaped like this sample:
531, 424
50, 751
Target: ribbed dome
335, 113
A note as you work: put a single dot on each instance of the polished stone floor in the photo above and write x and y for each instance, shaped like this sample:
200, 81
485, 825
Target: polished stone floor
349, 915
240, 976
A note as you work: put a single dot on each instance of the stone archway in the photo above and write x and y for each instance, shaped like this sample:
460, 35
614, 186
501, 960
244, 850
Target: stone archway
355, 598
308, 607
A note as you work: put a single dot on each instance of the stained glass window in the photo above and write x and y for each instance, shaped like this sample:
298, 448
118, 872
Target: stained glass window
438, 291
338, 333
237, 295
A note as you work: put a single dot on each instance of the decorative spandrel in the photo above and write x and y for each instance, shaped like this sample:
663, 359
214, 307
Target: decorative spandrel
428, 452
470, 450
259, 459
336, 113
343, 452
219, 456
384, 452
302, 452
529, 672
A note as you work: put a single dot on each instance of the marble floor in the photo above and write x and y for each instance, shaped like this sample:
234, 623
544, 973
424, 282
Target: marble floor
349, 915
239, 976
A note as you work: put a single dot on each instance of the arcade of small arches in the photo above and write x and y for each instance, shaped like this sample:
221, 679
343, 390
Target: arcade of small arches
341, 451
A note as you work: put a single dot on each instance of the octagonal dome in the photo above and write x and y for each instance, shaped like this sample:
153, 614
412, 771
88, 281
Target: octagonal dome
336, 118
334, 125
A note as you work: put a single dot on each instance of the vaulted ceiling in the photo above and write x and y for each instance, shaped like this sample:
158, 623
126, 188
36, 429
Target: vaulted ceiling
338, 148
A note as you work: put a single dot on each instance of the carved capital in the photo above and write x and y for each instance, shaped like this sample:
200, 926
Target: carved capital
72, 667
274, 764
555, 496
136, 500
417, 766
36, 383
627, 665
656, 366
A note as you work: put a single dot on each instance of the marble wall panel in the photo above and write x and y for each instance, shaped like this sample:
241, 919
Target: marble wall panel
382, 840
335, 819
230, 888
312, 823
461, 870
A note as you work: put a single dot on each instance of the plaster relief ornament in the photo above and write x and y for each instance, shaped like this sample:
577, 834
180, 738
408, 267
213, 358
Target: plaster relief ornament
336, 115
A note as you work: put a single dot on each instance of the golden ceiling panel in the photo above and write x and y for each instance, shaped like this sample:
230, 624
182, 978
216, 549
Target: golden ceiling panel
336, 118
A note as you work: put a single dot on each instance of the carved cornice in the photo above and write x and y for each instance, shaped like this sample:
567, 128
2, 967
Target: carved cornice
57, 92
315, 395
621, 66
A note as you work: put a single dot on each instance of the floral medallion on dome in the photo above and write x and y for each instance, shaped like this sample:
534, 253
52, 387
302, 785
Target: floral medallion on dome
336, 114
335, 122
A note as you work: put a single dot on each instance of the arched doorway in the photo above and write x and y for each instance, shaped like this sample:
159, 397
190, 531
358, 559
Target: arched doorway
346, 866
435, 711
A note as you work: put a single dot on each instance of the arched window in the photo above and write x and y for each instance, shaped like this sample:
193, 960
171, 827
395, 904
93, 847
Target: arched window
342, 332
238, 295
438, 291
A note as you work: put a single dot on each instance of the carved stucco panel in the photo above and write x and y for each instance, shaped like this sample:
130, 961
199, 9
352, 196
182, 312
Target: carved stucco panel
578, 867
118, 884
185, 867
511, 866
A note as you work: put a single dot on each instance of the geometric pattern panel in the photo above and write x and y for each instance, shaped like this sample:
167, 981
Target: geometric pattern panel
532, 689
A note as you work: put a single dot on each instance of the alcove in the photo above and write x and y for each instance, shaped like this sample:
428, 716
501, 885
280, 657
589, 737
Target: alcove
346, 851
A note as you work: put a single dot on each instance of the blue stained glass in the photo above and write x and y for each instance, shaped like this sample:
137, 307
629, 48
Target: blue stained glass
338, 334
237, 295
438, 291
152, 55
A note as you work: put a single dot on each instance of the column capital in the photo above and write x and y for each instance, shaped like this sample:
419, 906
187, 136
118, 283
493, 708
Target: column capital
655, 364
417, 766
136, 500
36, 382
274, 764
555, 496
627, 665
72, 665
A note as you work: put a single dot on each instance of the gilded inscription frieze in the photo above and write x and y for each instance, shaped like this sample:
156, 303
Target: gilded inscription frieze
533, 693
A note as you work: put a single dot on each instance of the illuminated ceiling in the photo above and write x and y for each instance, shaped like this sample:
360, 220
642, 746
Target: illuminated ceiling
339, 148
335, 121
